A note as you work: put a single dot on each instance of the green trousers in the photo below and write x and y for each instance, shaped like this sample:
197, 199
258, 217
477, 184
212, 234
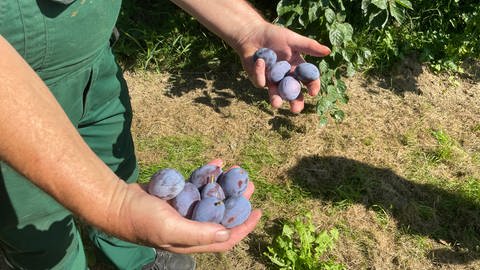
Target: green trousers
68, 47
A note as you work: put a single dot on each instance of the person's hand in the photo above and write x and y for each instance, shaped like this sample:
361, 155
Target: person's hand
289, 46
155, 223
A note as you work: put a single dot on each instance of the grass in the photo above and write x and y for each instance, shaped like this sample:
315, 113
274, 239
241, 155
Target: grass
434, 202
184, 153
433, 197
454, 197
160, 36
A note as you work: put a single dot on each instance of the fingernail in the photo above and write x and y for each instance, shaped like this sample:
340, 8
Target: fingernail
222, 236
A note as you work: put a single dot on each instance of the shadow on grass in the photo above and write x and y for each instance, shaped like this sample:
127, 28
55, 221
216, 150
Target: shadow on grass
401, 78
418, 208
221, 89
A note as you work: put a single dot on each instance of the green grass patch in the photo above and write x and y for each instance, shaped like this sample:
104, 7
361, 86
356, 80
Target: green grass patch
471, 190
183, 153
382, 215
261, 154
444, 151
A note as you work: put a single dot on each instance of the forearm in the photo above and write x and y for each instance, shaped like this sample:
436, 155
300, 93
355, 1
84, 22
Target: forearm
230, 20
39, 141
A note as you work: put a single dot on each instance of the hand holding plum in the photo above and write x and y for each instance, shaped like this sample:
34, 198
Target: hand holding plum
280, 74
210, 195
288, 46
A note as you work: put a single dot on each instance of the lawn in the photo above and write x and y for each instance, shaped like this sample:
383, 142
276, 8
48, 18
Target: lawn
396, 185
398, 180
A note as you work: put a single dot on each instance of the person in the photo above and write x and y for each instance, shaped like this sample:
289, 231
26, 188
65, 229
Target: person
66, 149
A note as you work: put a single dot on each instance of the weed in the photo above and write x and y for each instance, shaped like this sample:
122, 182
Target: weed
381, 215
301, 246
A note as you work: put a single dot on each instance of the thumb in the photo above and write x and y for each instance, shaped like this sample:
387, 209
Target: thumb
192, 233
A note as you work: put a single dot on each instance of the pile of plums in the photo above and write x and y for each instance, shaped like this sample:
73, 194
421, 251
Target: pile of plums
209, 195
280, 73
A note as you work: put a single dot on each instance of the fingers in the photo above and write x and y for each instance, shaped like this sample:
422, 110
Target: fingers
217, 162
193, 233
313, 87
249, 191
275, 100
236, 235
309, 46
259, 79
297, 105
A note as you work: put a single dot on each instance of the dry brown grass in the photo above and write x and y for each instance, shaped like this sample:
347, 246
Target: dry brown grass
388, 121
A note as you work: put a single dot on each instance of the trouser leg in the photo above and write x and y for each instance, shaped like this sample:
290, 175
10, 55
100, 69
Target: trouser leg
35, 231
105, 126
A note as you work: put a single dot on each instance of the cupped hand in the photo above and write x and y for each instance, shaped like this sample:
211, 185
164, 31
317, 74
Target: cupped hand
288, 46
156, 223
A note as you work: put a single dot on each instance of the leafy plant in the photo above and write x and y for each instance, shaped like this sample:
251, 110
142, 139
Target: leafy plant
301, 246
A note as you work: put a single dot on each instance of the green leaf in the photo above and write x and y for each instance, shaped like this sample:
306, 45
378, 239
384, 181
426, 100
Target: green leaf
288, 9
336, 37
346, 56
350, 70
287, 231
273, 257
323, 105
338, 115
312, 11
396, 12
323, 121
405, 4
366, 53
365, 4
323, 66
340, 34
341, 16
284, 7
381, 4
341, 86
329, 15
292, 256
347, 30
331, 94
